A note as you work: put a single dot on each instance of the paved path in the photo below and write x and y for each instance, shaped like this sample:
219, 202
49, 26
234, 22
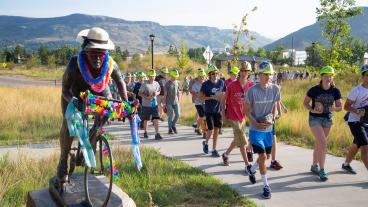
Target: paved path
22, 81
293, 186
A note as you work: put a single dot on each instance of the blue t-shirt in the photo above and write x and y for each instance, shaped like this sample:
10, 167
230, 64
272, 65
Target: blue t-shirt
209, 89
325, 97
137, 86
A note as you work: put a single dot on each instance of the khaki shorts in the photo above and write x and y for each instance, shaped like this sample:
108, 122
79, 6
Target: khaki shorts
239, 132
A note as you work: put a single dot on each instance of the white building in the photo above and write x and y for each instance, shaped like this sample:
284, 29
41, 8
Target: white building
299, 57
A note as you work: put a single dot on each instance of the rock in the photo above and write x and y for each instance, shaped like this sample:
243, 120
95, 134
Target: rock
75, 195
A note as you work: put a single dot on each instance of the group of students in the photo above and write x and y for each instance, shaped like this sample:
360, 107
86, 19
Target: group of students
237, 99
156, 94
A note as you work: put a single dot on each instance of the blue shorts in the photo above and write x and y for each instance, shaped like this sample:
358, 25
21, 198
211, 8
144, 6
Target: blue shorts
323, 121
261, 141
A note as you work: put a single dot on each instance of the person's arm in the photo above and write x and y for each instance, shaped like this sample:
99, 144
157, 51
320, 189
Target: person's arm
338, 105
348, 106
68, 80
306, 104
223, 105
253, 121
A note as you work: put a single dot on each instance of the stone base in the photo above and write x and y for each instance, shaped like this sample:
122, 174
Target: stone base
75, 195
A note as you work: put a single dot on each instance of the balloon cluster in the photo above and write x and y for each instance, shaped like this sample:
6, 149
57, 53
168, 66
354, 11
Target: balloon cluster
108, 108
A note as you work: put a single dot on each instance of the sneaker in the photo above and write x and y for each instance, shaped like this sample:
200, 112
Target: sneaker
174, 129
170, 131
251, 175
158, 136
145, 135
194, 125
348, 169
275, 165
215, 153
323, 175
162, 119
198, 131
225, 159
315, 169
266, 192
205, 147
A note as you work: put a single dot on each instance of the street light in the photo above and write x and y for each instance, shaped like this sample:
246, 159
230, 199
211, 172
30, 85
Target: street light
313, 46
152, 37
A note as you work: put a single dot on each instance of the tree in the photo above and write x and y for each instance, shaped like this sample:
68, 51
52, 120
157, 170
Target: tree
238, 31
173, 51
9, 57
125, 54
51, 61
334, 15
136, 61
43, 52
19, 54
358, 48
314, 55
276, 55
261, 52
251, 51
196, 54
182, 59
32, 61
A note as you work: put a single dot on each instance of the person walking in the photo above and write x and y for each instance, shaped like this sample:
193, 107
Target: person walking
211, 92
325, 98
258, 107
172, 101
357, 107
161, 79
199, 103
149, 92
235, 95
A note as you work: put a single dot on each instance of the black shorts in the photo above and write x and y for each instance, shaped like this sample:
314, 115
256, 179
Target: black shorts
261, 150
360, 133
200, 110
213, 120
147, 112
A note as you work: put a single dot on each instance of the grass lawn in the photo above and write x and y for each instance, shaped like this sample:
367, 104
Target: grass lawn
169, 181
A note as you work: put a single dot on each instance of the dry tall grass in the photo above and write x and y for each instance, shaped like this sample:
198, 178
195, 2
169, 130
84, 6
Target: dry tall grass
29, 114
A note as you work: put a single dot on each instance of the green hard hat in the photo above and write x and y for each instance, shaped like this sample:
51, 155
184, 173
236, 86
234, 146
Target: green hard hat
174, 73
235, 70
327, 70
151, 73
212, 68
265, 67
164, 70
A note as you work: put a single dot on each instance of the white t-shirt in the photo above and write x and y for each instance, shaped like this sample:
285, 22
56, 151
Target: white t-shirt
359, 95
196, 87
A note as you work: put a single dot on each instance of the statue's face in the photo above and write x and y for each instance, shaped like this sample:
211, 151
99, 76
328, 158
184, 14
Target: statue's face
95, 57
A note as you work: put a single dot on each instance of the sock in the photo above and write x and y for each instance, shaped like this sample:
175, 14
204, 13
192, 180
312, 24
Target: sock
346, 164
254, 167
264, 179
273, 161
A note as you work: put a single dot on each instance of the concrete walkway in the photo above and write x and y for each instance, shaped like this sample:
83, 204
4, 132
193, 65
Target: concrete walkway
294, 185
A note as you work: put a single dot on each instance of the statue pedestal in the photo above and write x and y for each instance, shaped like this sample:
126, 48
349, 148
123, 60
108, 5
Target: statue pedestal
75, 195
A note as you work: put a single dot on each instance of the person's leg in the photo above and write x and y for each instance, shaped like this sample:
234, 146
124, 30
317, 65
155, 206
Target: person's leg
231, 147
215, 137
65, 145
274, 148
177, 115
155, 124
170, 114
364, 155
351, 154
244, 154
324, 147
319, 146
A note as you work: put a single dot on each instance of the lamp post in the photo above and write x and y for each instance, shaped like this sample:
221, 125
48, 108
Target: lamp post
313, 45
152, 37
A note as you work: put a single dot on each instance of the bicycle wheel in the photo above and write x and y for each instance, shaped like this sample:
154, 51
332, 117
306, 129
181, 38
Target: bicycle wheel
104, 164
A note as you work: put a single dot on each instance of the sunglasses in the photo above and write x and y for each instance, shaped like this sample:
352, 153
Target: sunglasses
214, 74
96, 54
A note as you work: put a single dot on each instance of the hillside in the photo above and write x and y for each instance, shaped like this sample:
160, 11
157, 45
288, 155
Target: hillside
133, 35
313, 33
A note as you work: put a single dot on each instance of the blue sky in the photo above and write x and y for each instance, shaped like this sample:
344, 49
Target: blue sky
273, 19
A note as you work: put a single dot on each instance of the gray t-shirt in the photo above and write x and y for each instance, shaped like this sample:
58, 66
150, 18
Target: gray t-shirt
262, 102
149, 89
196, 87
172, 89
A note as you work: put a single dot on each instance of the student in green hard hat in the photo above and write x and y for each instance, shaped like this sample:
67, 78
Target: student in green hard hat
171, 100
161, 79
326, 99
233, 75
149, 92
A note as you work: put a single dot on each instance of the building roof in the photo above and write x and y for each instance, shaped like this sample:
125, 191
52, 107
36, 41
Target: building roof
243, 58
